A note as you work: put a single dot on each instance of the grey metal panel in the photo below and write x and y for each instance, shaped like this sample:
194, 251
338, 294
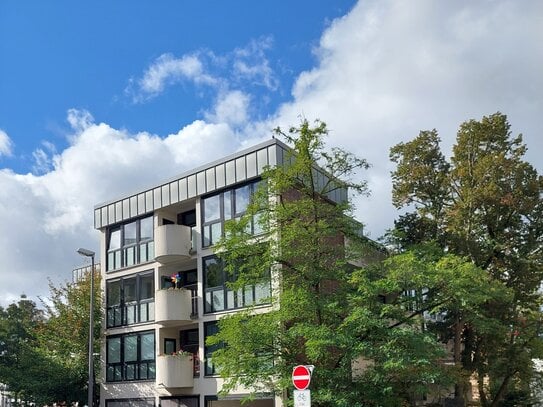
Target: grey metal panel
133, 206
149, 201
97, 218
118, 211
261, 160
126, 209
210, 180
250, 159
111, 213
174, 192
105, 220
201, 183
182, 189
157, 198
220, 176
241, 173
344, 194
141, 203
230, 172
191, 181
272, 155
165, 195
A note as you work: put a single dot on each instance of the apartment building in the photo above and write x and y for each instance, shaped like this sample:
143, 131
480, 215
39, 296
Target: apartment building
165, 289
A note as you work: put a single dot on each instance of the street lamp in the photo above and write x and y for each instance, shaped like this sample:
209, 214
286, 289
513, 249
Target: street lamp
90, 253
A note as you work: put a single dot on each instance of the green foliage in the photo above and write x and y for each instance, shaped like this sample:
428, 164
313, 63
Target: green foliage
322, 311
43, 354
484, 204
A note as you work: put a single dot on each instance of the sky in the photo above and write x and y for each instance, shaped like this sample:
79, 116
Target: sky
102, 99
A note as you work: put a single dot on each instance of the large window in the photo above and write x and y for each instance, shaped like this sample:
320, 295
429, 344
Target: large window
229, 204
130, 300
219, 297
131, 357
131, 243
210, 328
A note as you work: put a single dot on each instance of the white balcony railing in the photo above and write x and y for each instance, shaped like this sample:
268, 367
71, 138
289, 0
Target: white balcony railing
173, 306
174, 371
172, 243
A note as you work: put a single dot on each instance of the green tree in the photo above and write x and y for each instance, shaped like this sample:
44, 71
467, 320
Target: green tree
321, 313
18, 324
43, 352
63, 339
485, 204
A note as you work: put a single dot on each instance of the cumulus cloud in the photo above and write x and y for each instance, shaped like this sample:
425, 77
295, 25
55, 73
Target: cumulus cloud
384, 71
230, 107
52, 212
5, 144
250, 63
390, 68
244, 68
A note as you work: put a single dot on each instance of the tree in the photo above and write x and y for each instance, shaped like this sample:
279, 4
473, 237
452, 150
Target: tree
485, 204
321, 313
43, 352
18, 324
63, 339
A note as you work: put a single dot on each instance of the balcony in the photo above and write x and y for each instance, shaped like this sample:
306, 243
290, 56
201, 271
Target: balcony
172, 243
174, 371
173, 306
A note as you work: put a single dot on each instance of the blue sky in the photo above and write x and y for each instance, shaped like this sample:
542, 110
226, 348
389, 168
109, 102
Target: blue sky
105, 98
63, 54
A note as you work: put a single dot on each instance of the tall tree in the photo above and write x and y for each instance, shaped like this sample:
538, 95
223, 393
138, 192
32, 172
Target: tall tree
18, 324
43, 352
321, 313
63, 339
484, 204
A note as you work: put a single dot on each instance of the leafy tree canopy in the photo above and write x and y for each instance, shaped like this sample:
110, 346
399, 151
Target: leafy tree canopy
484, 204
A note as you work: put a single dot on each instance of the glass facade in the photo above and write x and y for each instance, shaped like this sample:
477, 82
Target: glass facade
130, 357
130, 243
130, 300
210, 328
219, 297
226, 205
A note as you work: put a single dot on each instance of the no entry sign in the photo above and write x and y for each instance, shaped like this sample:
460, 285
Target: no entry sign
301, 376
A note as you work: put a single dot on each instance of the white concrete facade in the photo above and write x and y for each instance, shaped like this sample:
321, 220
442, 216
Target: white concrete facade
145, 239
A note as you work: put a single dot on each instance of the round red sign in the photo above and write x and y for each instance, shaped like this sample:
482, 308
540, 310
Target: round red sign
301, 376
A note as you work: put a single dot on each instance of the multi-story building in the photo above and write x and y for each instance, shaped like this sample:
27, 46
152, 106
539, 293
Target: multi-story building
164, 288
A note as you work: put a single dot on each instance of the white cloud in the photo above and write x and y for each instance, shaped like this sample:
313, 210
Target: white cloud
251, 64
391, 68
53, 212
5, 144
245, 67
384, 71
231, 108
167, 70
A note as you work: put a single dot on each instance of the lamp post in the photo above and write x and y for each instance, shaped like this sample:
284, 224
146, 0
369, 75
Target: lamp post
90, 253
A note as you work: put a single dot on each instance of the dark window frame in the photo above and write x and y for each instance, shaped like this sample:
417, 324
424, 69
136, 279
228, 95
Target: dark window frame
244, 301
234, 211
209, 369
117, 314
112, 368
141, 250
131, 400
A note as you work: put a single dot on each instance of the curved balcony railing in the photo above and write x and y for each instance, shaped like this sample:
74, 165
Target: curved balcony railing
173, 243
173, 306
174, 371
